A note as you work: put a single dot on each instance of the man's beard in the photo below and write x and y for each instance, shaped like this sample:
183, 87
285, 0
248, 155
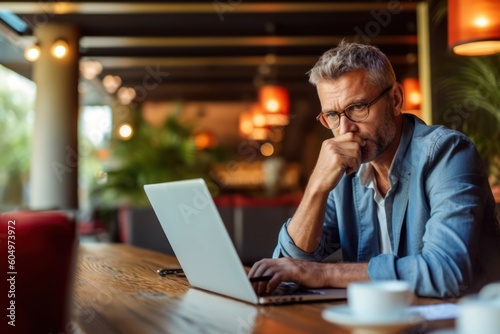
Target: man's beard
383, 137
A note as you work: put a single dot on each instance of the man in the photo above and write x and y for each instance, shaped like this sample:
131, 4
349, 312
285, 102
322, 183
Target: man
403, 200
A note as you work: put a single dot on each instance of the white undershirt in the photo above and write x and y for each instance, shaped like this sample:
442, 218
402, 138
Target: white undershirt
368, 180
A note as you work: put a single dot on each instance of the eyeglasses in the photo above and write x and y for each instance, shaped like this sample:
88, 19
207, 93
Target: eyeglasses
356, 112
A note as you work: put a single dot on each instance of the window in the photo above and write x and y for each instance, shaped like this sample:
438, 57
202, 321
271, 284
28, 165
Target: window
17, 98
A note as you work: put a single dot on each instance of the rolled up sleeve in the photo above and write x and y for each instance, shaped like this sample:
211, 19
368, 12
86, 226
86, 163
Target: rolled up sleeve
287, 248
328, 244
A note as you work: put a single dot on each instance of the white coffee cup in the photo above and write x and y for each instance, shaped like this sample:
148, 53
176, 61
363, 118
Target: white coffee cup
480, 313
379, 300
490, 291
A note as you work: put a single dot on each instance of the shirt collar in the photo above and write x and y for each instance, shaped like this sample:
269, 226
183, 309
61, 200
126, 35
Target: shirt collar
365, 174
400, 165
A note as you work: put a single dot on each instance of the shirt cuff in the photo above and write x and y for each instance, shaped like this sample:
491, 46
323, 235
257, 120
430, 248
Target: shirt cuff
382, 267
287, 248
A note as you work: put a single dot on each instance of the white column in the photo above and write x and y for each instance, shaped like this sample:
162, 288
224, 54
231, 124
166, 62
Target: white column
54, 156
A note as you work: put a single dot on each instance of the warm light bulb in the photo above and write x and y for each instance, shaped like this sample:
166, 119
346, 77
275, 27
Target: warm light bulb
125, 131
267, 149
32, 53
246, 124
259, 134
90, 69
415, 97
259, 120
272, 106
126, 95
481, 22
258, 116
59, 49
111, 83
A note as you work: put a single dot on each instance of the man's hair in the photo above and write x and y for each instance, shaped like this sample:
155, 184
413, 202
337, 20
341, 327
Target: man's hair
348, 57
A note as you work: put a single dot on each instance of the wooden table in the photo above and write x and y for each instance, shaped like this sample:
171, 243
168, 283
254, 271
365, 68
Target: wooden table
117, 290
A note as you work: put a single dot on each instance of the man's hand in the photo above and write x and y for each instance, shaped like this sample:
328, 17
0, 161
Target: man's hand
306, 273
338, 155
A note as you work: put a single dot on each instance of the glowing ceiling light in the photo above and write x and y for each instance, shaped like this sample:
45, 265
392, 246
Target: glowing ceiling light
126, 95
60, 49
276, 103
267, 149
32, 53
111, 83
90, 69
125, 131
413, 96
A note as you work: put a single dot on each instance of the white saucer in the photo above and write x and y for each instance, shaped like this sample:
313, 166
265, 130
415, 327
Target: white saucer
342, 316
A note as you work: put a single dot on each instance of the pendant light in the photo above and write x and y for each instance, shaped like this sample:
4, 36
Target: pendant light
413, 97
276, 103
474, 27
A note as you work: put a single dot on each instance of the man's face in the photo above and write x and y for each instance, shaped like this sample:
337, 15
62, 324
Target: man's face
379, 130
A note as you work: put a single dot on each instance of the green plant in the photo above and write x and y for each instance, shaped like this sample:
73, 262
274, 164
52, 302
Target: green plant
16, 105
467, 95
152, 155
470, 99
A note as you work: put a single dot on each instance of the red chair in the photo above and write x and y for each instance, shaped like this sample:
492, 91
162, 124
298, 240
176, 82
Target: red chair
37, 256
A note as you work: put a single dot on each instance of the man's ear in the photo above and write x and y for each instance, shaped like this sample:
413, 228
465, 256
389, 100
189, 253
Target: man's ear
397, 98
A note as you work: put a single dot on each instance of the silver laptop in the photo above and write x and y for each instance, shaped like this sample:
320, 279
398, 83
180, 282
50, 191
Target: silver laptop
202, 245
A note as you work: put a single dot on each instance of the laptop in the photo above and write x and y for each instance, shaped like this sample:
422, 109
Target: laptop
203, 247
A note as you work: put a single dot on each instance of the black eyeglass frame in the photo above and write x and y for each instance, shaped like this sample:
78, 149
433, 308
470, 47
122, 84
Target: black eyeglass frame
323, 121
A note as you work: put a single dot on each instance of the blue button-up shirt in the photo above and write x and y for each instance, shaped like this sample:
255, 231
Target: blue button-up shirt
443, 228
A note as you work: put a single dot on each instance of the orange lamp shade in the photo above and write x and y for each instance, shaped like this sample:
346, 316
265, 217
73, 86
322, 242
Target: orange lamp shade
413, 97
276, 103
274, 99
474, 27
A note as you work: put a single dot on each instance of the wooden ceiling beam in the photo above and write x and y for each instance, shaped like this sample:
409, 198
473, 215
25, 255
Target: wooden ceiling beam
120, 62
83, 7
125, 42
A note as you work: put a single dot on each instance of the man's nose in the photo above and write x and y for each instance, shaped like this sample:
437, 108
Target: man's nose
346, 125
